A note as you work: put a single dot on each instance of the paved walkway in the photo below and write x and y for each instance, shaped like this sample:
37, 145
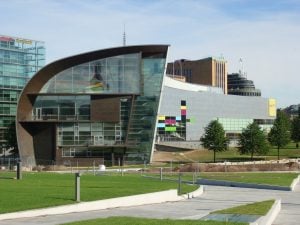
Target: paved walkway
214, 198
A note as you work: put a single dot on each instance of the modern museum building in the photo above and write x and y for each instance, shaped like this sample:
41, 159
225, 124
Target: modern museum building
112, 105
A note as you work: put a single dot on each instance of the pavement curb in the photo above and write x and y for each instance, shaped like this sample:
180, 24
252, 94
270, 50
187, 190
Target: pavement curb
294, 183
134, 200
269, 218
246, 185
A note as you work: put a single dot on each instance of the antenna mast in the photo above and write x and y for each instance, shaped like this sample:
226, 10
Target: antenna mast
241, 67
124, 36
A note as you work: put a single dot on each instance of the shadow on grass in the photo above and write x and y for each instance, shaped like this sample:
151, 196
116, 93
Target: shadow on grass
60, 198
7, 178
240, 159
97, 187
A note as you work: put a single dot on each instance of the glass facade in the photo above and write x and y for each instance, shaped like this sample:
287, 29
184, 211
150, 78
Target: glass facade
234, 127
68, 99
61, 107
144, 112
19, 60
119, 74
230, 124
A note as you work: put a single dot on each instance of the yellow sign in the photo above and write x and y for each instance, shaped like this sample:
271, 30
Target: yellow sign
272, 107
161, 117
24, 41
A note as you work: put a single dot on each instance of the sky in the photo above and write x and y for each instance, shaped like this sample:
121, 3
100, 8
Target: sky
264, 33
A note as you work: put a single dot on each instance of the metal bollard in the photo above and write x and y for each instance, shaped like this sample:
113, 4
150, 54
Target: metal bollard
19, 170
94, 170
77, 187
161, 173
194, 177
179, 183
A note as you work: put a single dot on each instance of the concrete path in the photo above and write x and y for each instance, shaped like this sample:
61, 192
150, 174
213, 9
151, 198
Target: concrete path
214, 198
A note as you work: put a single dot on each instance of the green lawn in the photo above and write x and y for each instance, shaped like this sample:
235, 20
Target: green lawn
232, 154
280, 179
144, 221
37, 190
257, 208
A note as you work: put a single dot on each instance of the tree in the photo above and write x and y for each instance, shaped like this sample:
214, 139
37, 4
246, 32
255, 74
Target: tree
11, 139
279, 135
253, 141
295, 131
214, 138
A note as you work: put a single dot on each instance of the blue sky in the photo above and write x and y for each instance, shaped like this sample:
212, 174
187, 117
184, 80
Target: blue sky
264, 33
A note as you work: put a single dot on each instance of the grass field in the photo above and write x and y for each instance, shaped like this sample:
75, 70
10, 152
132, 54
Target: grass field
257, 208
144, 221
290, 151
38, 190
278, 179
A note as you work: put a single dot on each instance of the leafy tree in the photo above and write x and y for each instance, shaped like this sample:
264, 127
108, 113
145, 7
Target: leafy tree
11, 139
253, 141
214, 138
280, 132
295, 136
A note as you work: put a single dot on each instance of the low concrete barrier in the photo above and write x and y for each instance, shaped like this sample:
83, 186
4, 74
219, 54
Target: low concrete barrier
193, 194
294, 183
269, 218
242, 185
134, 200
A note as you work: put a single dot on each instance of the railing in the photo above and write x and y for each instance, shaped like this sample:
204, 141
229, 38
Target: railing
8, 163
60, 117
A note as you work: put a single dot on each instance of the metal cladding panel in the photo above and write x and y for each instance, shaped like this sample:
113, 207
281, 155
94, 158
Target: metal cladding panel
105, 109
205, 106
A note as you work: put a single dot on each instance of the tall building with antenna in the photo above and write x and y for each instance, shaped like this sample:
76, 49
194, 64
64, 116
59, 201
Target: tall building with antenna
238, 84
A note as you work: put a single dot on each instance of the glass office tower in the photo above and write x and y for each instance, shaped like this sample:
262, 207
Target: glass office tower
19, 59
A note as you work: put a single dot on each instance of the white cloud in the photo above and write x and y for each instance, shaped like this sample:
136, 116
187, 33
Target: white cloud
266, 40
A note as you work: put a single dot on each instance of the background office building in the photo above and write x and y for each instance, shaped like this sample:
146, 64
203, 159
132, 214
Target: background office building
19, 59
95, 106
209, 71
182, 119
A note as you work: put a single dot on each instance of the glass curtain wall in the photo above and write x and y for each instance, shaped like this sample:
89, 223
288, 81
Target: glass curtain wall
142, 124
61, 108
71, 136
119, 74
19, 60
67, 97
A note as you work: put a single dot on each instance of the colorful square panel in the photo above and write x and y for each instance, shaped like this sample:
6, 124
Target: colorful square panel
161, 117
170, 129
161, 125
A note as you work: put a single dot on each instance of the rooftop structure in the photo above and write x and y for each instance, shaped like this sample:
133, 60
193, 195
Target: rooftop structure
240, 85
